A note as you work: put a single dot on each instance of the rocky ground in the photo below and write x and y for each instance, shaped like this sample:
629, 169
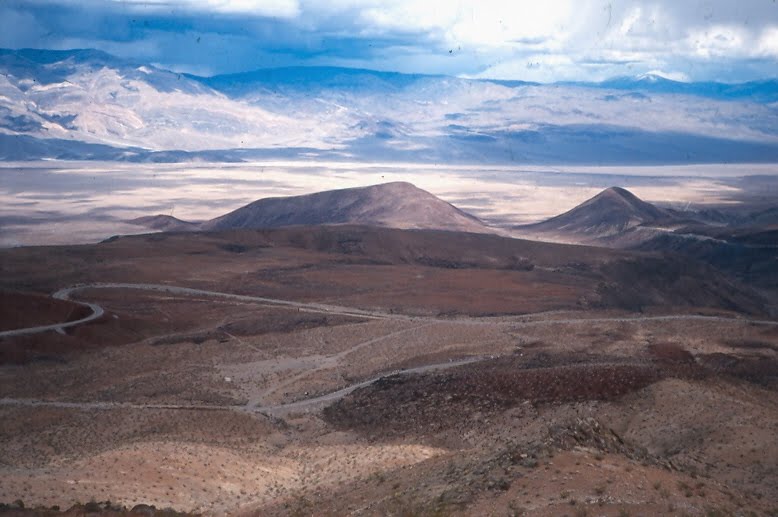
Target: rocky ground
200, 404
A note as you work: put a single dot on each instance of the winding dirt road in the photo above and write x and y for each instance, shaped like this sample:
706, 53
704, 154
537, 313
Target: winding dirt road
333, 361
275, 410
97, 311
313, 402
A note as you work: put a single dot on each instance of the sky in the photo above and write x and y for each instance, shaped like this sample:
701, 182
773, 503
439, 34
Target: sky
546, 41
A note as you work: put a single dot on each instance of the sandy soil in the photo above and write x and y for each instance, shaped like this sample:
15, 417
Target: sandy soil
576, 411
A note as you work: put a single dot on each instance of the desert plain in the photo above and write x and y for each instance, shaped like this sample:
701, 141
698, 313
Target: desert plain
352, 370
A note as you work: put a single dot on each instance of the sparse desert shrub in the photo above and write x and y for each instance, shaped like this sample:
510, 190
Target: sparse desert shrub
92, 506
515, 509
143, 509
500, 484
234, 248
300, 507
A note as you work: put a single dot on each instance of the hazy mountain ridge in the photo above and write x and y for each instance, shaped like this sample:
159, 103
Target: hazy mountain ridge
94, 98
144, 113
164, 223
765, 91
314, 78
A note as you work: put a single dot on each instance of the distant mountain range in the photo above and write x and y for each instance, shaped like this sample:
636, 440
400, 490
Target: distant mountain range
765, 91
86, 104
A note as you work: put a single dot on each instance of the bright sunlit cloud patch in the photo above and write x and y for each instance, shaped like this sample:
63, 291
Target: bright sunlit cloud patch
719, 41
768, 43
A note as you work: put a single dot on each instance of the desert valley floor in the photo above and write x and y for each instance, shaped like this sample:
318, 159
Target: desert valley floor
348, 370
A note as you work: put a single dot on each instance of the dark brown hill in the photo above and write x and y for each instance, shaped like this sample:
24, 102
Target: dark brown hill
20, 309
628, 280
394, 205
609, 213
375, 267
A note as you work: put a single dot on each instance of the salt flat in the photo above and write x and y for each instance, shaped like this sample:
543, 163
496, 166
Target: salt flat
50, 202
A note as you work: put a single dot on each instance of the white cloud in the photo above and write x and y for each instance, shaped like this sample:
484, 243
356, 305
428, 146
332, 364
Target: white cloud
768, 42
538, 68
549, 40
630, 21
271, 8
719, 41
499, 23
478, 24
562, 39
